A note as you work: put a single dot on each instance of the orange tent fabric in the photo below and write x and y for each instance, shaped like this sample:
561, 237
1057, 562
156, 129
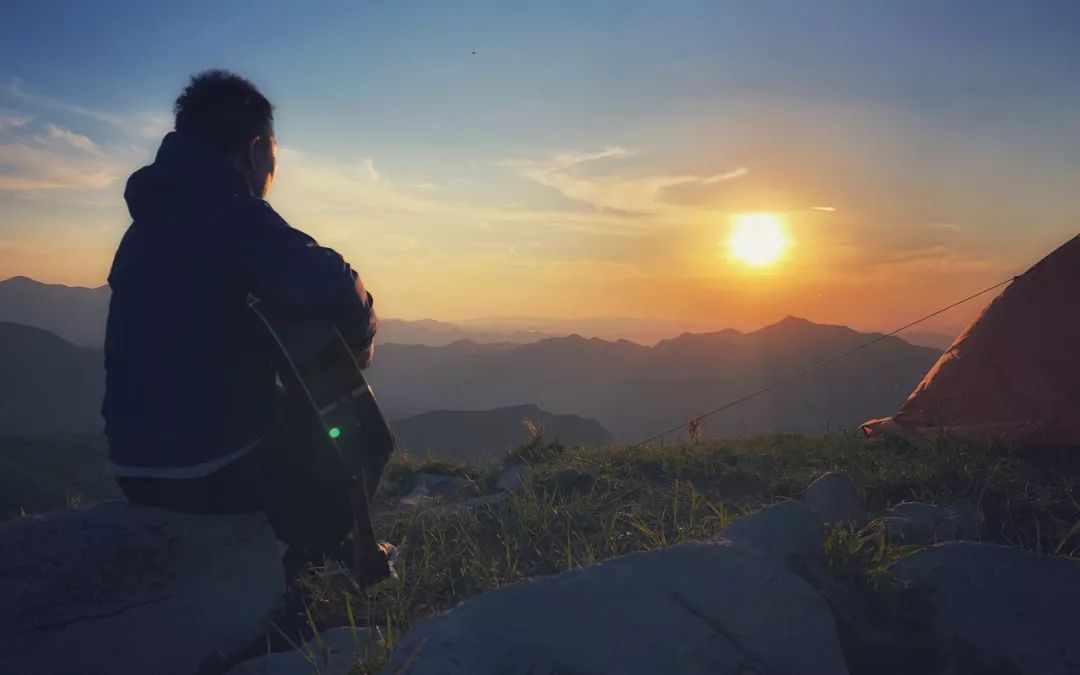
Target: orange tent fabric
1013, 376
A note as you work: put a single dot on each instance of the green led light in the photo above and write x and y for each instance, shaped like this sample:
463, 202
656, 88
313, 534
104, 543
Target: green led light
335, 432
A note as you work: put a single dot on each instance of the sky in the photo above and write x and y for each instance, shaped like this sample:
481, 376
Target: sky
580, 158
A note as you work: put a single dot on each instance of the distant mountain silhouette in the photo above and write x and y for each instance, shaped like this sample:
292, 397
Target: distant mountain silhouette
47, 384
439, 333
940, 341
640, 330
74, 313
470, 434
634, 390
78, 315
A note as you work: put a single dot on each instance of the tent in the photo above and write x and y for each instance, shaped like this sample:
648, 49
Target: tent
1013, 376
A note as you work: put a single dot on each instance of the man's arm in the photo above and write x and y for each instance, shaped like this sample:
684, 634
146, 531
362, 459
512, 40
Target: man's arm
288, 271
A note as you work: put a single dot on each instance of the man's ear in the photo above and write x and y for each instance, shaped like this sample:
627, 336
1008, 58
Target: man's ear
250, 152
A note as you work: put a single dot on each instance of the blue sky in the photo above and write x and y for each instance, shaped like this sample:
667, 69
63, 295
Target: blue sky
587, 158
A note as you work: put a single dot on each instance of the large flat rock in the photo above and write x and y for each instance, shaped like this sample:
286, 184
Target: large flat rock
1017, 612
116, 588
789, 531
701, 608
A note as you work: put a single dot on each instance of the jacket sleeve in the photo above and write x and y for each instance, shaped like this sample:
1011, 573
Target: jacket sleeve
288, 271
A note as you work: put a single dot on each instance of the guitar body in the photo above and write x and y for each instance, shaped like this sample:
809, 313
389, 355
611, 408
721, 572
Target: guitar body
317, 368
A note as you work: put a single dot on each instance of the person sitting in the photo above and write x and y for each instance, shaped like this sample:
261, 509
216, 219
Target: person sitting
195, 419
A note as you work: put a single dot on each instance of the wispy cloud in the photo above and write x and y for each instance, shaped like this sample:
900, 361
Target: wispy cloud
51, 157
369, 164
66, 137
334, 194
147, 124
574, 175
827, 209
36, 168
38, 153
13, 121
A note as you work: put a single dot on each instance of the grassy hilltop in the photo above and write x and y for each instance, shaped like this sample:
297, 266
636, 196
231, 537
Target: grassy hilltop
583, 505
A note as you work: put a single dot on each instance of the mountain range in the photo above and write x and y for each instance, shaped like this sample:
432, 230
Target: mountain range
634, 391
50, 385
74, 313
78, 314
468, 434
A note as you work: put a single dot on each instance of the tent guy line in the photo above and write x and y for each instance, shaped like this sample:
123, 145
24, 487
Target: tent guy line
817, 366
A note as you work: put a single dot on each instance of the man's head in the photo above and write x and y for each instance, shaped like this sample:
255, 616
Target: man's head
228, 112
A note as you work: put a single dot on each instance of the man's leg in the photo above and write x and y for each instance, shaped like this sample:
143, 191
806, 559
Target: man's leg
227, 490
297, 483
305, 496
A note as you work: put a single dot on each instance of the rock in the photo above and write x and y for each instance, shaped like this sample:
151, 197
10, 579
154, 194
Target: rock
958, 521
430, 489
416, 499
788, 530
836, 500
119, 588
513, 479
696, 608
438, 484
1014, 609
911, 521
916, 522
332, 652
457, 507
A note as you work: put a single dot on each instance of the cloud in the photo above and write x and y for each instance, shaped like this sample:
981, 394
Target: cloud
333, 195
33, 168
828, 209
147, 124
11, 121
369, 164
70, 138
721, 177
614, 192
943, 225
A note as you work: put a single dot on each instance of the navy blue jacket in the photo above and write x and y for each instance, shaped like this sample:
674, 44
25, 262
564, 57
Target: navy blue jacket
189, 379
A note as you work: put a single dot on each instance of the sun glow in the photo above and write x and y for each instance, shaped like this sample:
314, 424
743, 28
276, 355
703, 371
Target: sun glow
758, 239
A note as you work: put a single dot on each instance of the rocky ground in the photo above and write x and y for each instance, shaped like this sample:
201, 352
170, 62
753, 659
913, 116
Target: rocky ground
779, 554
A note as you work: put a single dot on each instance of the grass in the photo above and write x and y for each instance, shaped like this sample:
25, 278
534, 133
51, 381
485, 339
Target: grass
47, 473
583, 505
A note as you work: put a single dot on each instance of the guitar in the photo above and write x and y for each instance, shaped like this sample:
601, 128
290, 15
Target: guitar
316, 366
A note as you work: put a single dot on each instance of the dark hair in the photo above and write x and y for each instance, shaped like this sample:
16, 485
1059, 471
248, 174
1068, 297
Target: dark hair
223, 109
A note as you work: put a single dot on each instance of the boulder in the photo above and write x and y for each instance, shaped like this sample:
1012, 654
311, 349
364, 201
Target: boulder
513, 479
916, 522
118, 588
912, 521
1013, 610
835, 499
455, 508
694, 608
332, 652
788, 530
430, 489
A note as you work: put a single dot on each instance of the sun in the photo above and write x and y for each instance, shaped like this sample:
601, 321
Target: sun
758, 239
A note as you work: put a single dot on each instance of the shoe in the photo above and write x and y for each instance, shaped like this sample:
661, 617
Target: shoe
371, 568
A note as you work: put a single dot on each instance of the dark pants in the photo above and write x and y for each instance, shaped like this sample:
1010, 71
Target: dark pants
308, 507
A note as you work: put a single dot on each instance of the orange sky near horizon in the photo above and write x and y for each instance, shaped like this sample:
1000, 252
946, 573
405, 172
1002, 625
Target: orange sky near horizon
690, 279
584, 159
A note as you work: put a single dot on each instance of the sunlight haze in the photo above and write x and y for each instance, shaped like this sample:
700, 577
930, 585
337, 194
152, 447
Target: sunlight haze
569, 159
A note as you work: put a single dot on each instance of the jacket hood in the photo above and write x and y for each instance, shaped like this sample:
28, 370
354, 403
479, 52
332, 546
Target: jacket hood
185, 167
